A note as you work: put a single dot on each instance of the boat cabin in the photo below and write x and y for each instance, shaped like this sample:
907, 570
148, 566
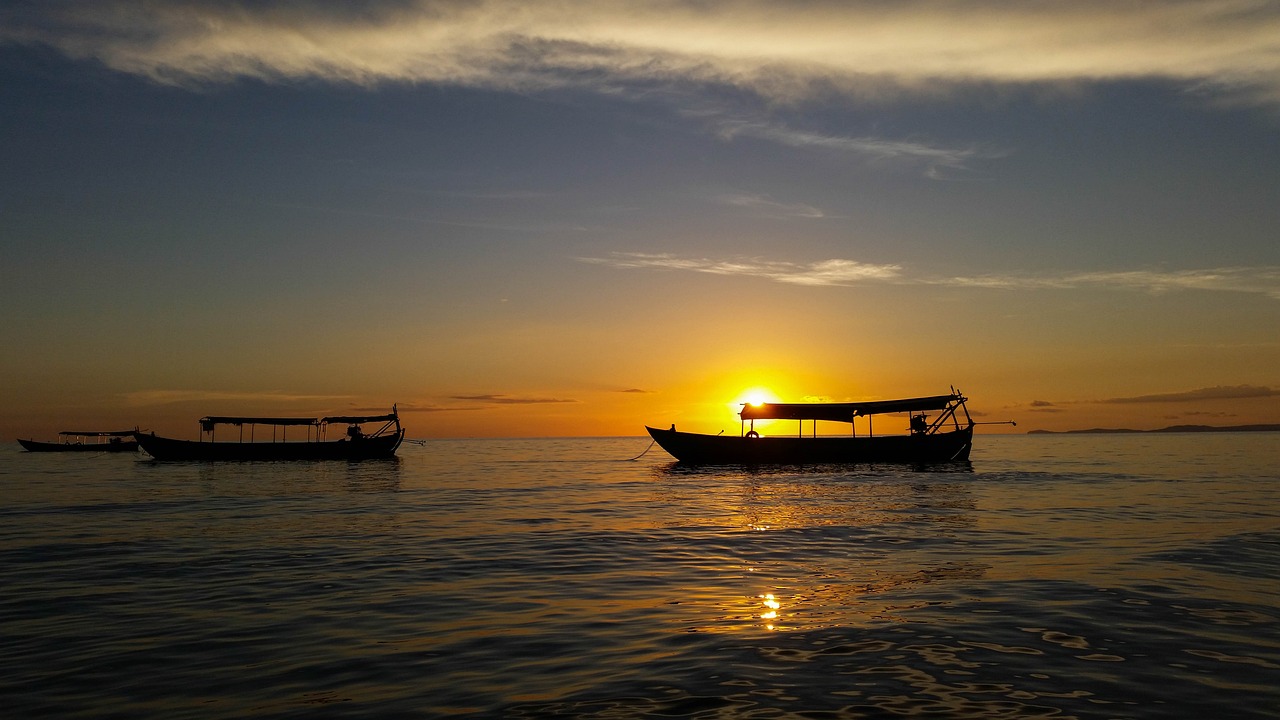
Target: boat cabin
315, 429
949, 405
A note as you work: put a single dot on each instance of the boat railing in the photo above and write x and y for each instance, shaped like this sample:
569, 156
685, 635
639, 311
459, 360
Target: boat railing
316, 428
100, 437
279, 427
390, 424
918, 421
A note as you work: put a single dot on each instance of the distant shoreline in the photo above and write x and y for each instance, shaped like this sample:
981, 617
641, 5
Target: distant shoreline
1170, 429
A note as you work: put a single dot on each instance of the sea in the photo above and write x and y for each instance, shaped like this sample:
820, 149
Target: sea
1052, 576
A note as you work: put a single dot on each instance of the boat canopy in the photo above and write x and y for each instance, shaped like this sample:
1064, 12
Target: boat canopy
845, 412
98, 433
224, 420
357, 419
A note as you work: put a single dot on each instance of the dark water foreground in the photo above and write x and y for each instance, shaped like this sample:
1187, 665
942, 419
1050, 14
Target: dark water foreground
1058, 577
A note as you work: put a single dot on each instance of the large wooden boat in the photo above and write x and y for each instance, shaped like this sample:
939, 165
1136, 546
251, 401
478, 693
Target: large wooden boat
85, 441
356, 445
945, 438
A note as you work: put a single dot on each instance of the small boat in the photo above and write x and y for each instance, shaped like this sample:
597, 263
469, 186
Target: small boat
356, 445
946, 438
85, 441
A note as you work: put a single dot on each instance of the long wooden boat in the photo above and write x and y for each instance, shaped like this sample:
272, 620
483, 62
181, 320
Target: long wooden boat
85, 441
945, 438
356, 445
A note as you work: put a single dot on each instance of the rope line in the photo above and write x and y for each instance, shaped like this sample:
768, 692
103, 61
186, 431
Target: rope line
655, 442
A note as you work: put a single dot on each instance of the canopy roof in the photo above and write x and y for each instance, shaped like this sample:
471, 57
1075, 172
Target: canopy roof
97, 433
357, 419
236, 420
845, 412
224, 420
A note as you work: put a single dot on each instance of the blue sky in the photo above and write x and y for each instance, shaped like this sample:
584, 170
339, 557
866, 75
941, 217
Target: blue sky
546, 218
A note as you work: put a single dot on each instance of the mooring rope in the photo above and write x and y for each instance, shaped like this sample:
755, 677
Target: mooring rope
655, 442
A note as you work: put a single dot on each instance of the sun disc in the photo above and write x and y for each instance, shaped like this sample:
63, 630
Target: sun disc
753, 396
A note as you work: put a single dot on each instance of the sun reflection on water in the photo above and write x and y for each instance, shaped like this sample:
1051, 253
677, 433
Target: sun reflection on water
771, 602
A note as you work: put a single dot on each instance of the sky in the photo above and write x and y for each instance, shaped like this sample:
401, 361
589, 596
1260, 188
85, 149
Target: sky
577, 218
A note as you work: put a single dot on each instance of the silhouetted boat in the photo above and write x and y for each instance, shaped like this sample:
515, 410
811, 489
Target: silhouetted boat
78, 441
945, 439
357, 445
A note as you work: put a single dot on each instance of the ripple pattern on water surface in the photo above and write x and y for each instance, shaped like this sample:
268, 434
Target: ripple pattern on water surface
1111, 656
521, 579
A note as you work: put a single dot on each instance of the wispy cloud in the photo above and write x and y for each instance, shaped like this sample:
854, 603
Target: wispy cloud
430, 408
779, 52
145, 398
935, 158
1201, 413
1263, 280
497, 399
825, 272
1043, 406
1219, 392
771, 208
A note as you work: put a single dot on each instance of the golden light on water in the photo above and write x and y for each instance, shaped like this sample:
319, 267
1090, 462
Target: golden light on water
771, 613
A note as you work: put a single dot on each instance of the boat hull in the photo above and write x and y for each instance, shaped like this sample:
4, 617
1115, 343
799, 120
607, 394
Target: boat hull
162, 448
112, 447
700, 449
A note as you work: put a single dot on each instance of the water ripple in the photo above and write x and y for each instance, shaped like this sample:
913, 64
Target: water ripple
516, 579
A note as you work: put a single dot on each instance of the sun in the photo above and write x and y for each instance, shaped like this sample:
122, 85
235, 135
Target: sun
753, 396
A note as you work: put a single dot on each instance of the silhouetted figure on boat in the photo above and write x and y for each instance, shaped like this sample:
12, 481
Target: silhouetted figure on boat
919, 424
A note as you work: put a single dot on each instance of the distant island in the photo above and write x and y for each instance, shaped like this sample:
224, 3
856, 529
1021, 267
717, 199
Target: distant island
1170, 429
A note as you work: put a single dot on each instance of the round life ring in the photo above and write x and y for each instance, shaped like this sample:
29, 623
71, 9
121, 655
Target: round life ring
753, 434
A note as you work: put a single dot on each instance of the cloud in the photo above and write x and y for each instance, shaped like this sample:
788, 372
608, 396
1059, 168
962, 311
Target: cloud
415, 408
1044, 406
825, 272
771, 208
1219, 392
145, 398
935, 158
497, 399
1263, 280
778, 51
637, 391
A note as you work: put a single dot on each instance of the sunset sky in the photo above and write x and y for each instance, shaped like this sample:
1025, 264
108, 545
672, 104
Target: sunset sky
576, 218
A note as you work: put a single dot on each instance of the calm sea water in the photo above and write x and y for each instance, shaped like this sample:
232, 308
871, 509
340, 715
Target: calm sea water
1128, 576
